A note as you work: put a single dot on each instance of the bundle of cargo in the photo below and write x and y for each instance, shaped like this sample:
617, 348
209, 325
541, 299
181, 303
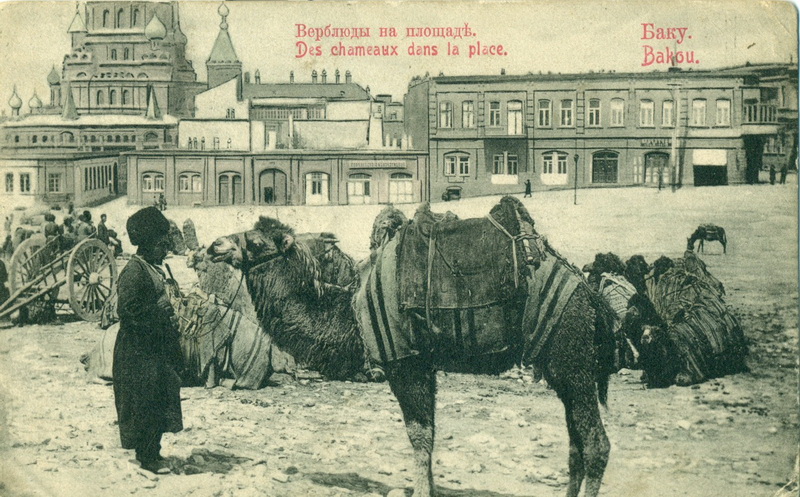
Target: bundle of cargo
702, 339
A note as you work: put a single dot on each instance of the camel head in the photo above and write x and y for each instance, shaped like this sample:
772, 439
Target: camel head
386, 225
269, 239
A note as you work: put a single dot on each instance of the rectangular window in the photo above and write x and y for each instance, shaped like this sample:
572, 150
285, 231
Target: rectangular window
544, 113
515, 117
450, 165
184, 183
646, 111
566, 113
562, 164
468, 114
463, 166
593, 114
159, 182
723, 112
54, 182
617, 112
494, 113
498, 164
24, 182
9, 183
197, 185
698, 112
667, 113
512, 164
547, 164
446, 115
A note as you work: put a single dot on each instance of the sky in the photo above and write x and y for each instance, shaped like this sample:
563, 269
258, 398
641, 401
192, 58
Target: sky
536, 35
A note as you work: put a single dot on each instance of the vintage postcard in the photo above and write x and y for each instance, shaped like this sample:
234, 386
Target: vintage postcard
376, 248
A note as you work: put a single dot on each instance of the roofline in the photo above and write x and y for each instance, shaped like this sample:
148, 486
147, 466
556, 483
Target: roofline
277, 152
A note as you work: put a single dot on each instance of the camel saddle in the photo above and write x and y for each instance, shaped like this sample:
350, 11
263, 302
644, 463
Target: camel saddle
447, 263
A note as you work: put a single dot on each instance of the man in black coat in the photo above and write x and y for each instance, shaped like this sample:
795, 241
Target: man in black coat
147, 353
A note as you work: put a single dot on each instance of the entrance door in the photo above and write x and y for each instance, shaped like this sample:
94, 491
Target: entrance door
224, 197
272, 186
754, 152
604, 167
656, 168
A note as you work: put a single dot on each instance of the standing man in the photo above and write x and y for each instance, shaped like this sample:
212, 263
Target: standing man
784, 170
771, 174
102, 230
527, 189
147, 353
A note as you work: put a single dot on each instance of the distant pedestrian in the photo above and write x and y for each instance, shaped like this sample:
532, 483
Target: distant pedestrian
162, 202
102, 230
784, 170
51, 229
771, 175
9, 221
528, 189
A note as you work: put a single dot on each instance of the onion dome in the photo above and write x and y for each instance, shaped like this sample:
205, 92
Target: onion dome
155, 29
53, 78
35, 102
223, 11
15, 102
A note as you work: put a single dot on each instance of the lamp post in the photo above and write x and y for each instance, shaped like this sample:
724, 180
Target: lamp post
575, 188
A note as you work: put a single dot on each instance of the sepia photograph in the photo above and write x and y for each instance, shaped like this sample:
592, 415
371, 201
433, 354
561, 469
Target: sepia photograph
371, 248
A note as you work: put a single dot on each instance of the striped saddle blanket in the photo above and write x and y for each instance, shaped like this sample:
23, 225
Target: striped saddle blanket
391, 332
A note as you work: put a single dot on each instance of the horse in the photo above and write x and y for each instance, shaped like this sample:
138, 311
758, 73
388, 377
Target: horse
709, 233
577, 356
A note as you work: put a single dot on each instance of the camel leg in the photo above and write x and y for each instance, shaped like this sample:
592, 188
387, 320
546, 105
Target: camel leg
588, 443
413, 382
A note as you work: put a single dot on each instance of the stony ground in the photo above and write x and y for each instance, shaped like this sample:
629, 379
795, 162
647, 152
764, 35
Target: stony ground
496, 436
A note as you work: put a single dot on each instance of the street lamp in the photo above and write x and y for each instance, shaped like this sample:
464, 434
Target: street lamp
575, 188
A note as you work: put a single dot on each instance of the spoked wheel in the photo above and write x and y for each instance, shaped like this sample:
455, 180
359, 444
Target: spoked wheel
91, 274
27, 265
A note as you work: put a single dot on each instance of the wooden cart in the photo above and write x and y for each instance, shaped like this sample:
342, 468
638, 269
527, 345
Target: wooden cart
50, 273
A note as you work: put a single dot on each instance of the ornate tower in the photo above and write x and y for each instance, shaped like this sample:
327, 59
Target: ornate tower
223, 65
119, 49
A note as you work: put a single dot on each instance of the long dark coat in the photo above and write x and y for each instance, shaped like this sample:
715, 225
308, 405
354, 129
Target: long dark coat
147, 357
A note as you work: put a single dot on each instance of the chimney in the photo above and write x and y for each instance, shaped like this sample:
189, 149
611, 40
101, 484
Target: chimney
337, 76
503, 71
247, 77
291, 76
324, 76
348, 78
258, 77
314, 76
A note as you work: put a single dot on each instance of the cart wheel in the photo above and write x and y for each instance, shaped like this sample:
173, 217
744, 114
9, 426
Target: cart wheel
23, 267
91, 274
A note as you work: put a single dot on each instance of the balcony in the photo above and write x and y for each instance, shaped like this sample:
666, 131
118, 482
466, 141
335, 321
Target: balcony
760, 114
760, 119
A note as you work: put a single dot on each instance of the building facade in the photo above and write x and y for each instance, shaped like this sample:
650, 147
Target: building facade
489, 134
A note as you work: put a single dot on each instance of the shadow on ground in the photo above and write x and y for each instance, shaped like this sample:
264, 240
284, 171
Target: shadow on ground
205, 461
356, 483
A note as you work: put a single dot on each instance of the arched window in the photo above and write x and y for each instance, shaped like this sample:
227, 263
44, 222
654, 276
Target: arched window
118, 138
605, 165
456, 164
152, 182
150, 137
126, 97
699, 112
358, 189
100, 98
106, 15
113, 54
112, 97
317, 188
545, 109
34, 139
135, 18
120, 17
646, 113
126, 54
554, 167
190, 183
401, 188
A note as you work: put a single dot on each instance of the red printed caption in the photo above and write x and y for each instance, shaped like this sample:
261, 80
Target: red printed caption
671, 37
418, 41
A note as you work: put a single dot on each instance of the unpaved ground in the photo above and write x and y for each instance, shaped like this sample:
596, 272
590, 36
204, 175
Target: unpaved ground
496, 436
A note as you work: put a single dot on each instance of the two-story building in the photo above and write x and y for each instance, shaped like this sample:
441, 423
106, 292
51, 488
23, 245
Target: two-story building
489, 134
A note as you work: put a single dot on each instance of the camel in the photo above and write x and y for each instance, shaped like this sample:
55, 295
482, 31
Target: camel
319, 326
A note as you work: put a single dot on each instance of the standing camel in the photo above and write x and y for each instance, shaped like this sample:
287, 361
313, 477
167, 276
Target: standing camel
570, 341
